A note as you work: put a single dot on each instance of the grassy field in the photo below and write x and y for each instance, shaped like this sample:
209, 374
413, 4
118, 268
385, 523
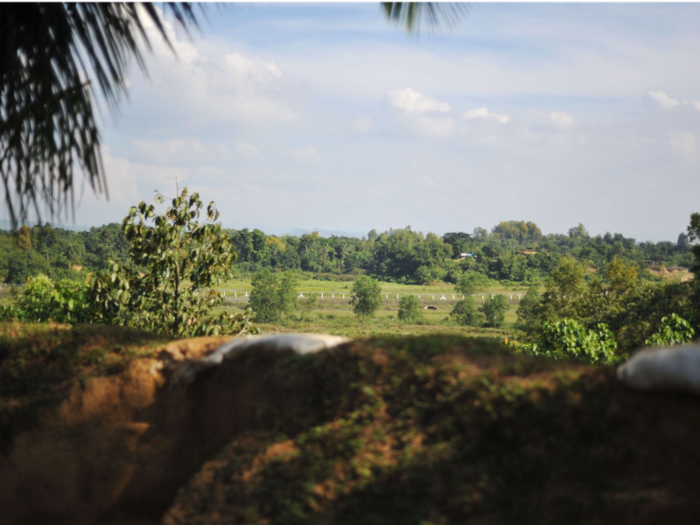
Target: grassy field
334, 314
242, 284
339, 319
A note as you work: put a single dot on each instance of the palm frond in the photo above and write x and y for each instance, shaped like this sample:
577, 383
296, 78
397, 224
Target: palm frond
436, 14
48, 52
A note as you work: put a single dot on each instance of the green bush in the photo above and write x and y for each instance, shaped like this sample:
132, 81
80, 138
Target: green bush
466, 313
409, 309
494, 310
674, 330
273, 295
367, 296
43, 300
569, 339
175, 261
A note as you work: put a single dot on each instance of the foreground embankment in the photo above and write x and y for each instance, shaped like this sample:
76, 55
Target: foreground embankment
107, 425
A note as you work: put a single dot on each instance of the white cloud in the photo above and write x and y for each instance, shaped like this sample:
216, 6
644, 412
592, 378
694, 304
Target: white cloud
362, 124
663, 99
209, 83
684, 143
694, 103
485, 114
247, 150
432, 127
562, 120
411, 101
181, 151
307, 155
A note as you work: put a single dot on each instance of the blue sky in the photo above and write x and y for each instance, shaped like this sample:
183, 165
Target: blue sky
327, 116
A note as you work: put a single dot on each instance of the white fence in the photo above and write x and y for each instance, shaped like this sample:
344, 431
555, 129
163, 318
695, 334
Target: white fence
343, 297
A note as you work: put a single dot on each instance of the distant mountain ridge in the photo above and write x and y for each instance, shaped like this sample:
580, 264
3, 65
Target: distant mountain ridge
293, 231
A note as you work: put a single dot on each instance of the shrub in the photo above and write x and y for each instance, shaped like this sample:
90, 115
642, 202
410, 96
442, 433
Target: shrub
305, 306
43, 300
471, 282
466, 313
494, 310
674, 330
409, 309
273, 295
367, 296
175, 262
569, 339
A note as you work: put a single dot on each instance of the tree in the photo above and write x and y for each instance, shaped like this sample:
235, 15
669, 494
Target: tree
564, 288
466, 313
470, 283
622, 275
273, 295
579, 231
694, 235
409, 309
529, 317
366, 296
175, 262
23, 238
494, 310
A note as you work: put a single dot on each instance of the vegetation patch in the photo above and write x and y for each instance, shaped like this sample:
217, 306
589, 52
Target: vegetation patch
39, 362
424, 430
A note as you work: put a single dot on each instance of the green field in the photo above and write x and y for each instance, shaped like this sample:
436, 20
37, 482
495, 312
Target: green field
334, 314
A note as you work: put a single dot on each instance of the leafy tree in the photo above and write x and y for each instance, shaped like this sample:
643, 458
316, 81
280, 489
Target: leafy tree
424, 275
674, 330
460, 242
273, 295
569, 339
176, 261
622, 275
409, 309
494, 310
528, 312
578, 231
466, 313
564, 288
366, 296
23, 238
470, 283
694, 235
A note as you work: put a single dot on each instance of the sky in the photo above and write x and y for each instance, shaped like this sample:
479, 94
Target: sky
328, 116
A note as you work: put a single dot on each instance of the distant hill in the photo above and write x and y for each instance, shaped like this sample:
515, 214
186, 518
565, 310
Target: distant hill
7, 225
294, 231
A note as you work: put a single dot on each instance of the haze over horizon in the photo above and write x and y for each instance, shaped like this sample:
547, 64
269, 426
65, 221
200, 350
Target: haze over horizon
327, 116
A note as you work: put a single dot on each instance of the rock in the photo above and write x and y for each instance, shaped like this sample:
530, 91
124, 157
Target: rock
675, 369
298, 343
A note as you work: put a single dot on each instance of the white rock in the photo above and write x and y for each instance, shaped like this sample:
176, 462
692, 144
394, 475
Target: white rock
675, 369
298, 343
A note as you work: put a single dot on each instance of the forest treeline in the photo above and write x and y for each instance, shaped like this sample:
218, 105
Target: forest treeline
514, 251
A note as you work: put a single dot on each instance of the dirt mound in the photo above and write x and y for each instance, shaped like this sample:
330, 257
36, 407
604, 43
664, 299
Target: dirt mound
435, 430
395, 430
